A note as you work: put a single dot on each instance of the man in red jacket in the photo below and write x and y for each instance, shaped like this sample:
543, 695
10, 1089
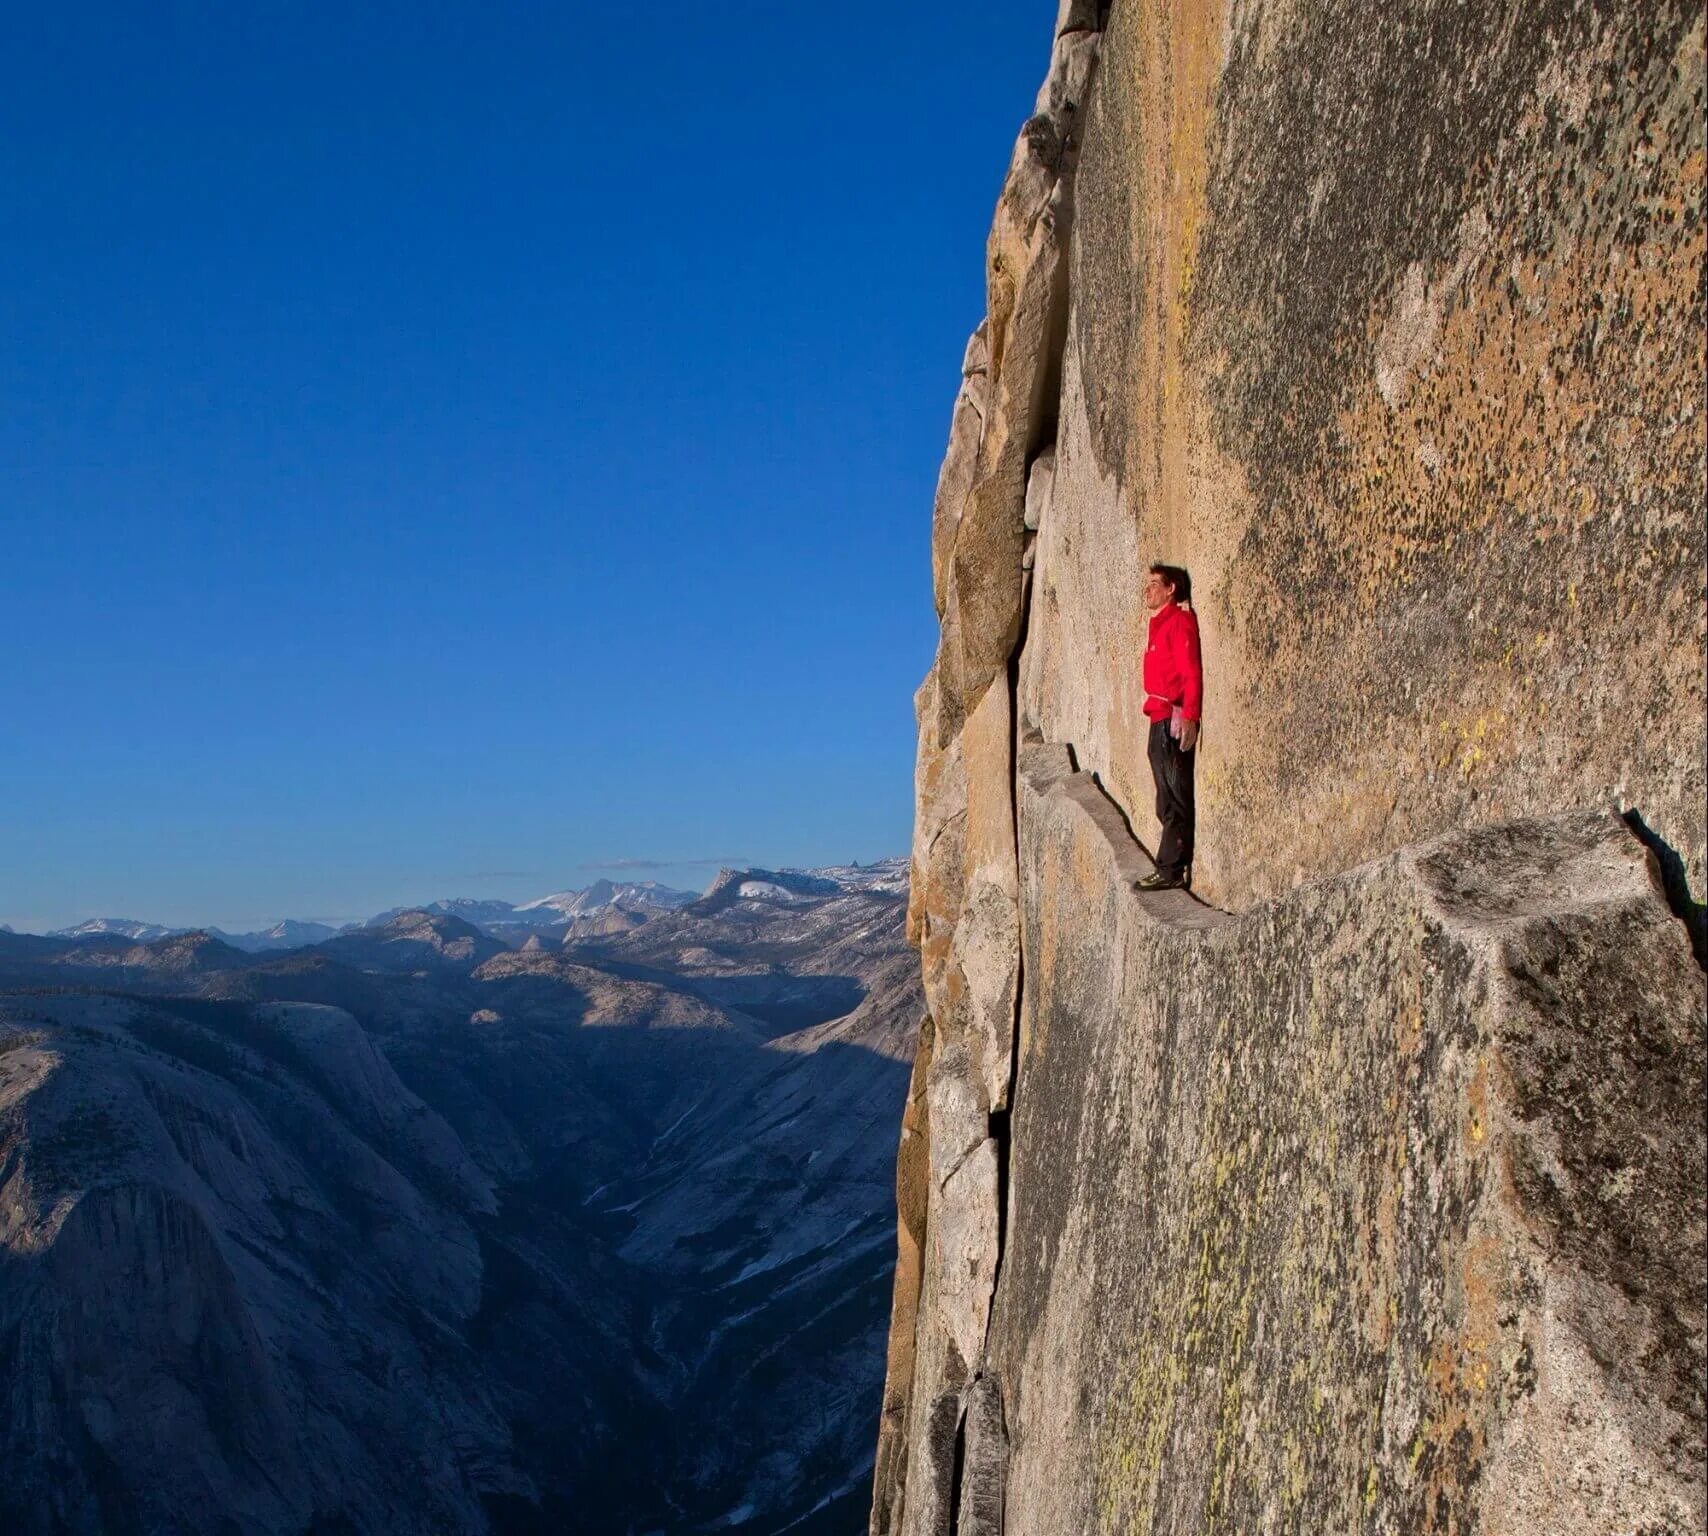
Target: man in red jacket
1174, 699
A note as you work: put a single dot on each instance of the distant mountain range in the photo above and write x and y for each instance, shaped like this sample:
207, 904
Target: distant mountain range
605, 906
119, 927
290, 934
644, 894
415, 1228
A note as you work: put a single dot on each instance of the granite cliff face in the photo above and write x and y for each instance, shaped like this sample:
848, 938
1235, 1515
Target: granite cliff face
1364, 1192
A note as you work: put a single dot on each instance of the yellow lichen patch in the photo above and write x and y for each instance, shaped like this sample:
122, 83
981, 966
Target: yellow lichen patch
1459, 1376
1477, 1106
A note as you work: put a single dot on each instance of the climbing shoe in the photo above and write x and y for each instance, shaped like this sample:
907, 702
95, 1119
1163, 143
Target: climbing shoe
1156, 880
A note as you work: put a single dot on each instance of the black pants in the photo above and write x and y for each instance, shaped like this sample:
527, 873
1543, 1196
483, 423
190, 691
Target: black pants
1175, 808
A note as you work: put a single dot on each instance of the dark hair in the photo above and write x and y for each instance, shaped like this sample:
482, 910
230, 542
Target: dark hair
1178, 577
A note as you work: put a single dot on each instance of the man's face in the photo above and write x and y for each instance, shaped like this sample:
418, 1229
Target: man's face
1157, 591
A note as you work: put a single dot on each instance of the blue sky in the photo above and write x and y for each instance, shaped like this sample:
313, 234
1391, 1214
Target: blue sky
459, 448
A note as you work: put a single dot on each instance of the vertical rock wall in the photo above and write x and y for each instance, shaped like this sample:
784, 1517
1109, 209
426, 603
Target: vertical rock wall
1389, 325
1377, 1204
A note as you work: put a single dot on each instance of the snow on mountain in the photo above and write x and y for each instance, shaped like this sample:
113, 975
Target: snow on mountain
767, 890
124, 927
634, 895
605, 906
469, 908
289, 934
887, 875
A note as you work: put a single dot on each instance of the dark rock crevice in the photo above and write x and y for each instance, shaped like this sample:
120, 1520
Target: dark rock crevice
1675, 883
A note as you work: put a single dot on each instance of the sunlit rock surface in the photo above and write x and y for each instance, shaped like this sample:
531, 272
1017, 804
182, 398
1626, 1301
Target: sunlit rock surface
1362, 1190
1390, 327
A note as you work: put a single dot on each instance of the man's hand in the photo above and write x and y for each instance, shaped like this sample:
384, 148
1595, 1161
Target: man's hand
1188, 735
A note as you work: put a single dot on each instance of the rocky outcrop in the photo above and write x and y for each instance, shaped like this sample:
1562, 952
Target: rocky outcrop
1366, 1193
415, 940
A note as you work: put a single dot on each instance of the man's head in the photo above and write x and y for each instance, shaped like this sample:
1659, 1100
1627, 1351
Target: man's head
1165, 584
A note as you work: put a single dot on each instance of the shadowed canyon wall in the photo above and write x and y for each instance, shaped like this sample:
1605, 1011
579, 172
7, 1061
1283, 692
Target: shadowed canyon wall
1364, 1191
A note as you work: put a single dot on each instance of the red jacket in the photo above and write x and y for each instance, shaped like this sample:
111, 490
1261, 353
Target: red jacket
1174, 671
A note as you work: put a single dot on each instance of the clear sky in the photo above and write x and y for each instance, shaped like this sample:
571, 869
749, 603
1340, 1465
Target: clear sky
465, 448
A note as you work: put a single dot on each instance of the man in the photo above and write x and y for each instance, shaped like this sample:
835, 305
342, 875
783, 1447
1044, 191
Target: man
1174, 698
